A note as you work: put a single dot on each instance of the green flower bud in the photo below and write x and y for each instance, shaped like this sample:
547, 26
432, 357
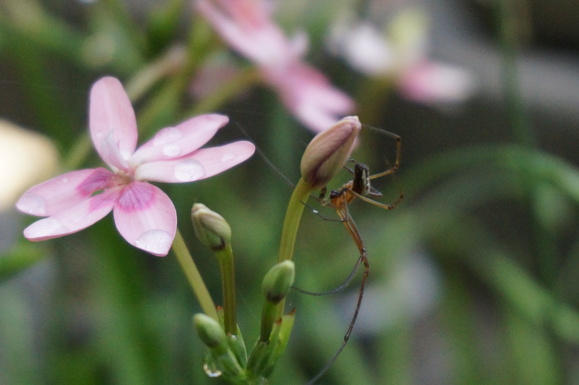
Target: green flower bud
211, 228
210, 332
278, 281
329, 151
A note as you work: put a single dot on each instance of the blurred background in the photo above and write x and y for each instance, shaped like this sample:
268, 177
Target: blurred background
473, 276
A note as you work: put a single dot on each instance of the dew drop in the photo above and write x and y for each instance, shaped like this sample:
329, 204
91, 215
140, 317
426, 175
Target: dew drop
33, 205
154, 241
211, 371
172, 150
167, 135
227, 157
189, 170
64, 180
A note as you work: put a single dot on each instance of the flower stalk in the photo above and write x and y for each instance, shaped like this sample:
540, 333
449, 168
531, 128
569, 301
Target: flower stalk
193, 276
214, 232
227, 269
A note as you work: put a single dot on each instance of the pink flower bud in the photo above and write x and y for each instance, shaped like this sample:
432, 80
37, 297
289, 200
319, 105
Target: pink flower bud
329, 151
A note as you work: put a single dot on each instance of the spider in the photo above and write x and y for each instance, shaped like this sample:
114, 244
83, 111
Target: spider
359, 187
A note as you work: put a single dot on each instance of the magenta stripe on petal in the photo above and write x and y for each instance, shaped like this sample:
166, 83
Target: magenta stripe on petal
62, 192
75, 218
135, 196
146, 218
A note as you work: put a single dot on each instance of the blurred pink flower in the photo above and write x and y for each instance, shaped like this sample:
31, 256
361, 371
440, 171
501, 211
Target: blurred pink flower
430, 82
402, 57
144, 215
247, 27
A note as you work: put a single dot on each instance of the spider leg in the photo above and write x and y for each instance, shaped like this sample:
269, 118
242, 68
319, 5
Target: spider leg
387, 206
338, 289
397, 161
327, 367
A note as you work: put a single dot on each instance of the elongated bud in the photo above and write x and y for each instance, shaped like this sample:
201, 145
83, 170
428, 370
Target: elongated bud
278, 281
210, 332
211, 228
329, 151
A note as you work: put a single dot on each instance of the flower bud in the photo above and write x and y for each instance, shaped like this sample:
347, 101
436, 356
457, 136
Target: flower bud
210, 332
278, 281
329, 151
211, 228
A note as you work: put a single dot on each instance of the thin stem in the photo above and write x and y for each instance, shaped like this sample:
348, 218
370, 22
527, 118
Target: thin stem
291, 223
242, 81
509, 17
226, 266
269, 314
509, 22
289, 233
194, 277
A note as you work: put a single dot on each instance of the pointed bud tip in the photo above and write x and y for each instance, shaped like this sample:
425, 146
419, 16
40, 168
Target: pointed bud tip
278, 281
209, 331
210, 227
329, 151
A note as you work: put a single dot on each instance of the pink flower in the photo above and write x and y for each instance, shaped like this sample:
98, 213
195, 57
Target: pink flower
247, 27
144, 215
434, 83
403, 58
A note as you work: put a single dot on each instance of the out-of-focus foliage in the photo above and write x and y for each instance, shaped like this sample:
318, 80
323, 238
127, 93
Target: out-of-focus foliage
473, 276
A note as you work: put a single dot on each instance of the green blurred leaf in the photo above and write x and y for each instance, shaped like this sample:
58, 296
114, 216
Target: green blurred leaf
22, 256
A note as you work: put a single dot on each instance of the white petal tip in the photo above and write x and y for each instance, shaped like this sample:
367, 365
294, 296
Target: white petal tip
156, 242
44, 229
32, 205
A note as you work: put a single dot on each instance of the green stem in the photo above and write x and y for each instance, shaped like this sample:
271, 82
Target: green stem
194, 277
230, 88
291, 223
289, 233
226, 266
510, 14
270, 313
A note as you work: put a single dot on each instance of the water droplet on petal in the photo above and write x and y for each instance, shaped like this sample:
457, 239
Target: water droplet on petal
227, 157
33, 205
211, 371
189, 170
64, 180
154, 241
167, 135
172, 150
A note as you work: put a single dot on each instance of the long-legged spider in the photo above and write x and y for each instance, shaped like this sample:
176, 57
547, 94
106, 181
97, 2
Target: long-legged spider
359, 187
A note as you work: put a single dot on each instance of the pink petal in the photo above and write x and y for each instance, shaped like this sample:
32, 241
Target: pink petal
309, 95
112, 115
146, 218
62, 192
199, 165
248, 28
77, 217
175, 142
431, 83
